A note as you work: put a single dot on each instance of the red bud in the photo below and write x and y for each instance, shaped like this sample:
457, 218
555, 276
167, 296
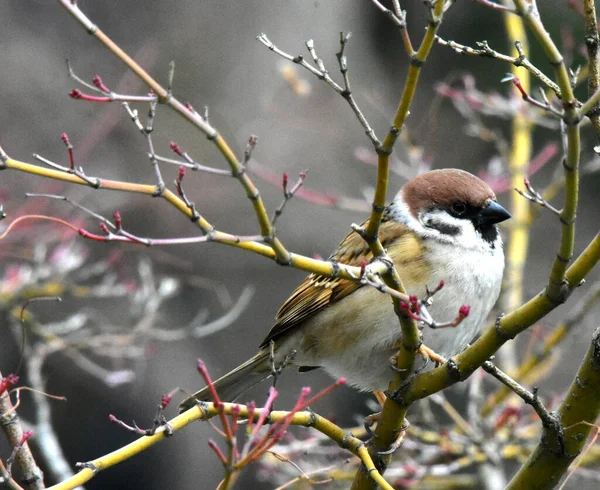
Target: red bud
117, 217
464, 311
165, 400
175, 147
97, 81
26, 435
363, 268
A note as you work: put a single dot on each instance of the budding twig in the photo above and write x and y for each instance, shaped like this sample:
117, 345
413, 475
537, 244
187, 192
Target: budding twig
159, 423
536, 197
288, 194
322, 73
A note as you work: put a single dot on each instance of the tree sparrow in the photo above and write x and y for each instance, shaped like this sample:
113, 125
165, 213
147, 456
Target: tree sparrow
440, 226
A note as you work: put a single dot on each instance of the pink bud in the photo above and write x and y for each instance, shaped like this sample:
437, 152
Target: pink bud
75, 94
26, 435
117, 217
97, 81
464, 311
363, 268
165, 400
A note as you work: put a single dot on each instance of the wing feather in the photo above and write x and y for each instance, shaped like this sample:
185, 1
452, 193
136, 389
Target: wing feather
317, 292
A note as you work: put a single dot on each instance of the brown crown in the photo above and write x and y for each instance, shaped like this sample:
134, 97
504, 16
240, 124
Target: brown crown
440, 188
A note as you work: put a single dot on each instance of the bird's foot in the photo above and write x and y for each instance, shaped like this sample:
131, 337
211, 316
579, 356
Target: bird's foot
276, 369
394, 362
369, 422
397, 442
430, 354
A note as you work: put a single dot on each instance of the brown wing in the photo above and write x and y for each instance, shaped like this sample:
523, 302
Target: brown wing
317, 292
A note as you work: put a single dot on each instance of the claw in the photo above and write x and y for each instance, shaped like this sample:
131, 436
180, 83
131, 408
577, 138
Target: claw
369, 422
398, 442
393, 362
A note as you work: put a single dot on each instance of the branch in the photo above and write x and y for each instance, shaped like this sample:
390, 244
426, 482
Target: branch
532, 364
557, 290
297, 261
323, 74
205, 411
591, 43
485, 51
17, 438
164, 96
560, 445
531, 398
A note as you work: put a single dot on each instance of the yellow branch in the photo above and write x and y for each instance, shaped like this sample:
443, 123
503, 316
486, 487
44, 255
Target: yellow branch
307, 419
297, 261
556, 285
560, 444
165, 97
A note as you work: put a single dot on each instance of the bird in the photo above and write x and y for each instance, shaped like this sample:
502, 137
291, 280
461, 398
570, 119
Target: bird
441, 226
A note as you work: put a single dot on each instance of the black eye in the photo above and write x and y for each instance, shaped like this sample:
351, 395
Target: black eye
459, 208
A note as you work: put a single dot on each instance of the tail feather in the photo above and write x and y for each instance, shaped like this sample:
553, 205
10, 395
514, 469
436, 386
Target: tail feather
234, 383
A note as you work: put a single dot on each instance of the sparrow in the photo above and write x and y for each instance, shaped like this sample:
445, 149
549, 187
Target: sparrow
441, 226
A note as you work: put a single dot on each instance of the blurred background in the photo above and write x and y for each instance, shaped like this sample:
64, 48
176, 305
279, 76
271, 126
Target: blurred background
301, 124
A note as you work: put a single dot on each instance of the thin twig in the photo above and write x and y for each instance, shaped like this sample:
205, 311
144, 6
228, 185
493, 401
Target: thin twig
484, 50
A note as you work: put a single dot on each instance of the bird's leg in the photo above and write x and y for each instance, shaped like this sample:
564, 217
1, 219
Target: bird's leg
277, 369
370, 421
428, 353
380, 396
